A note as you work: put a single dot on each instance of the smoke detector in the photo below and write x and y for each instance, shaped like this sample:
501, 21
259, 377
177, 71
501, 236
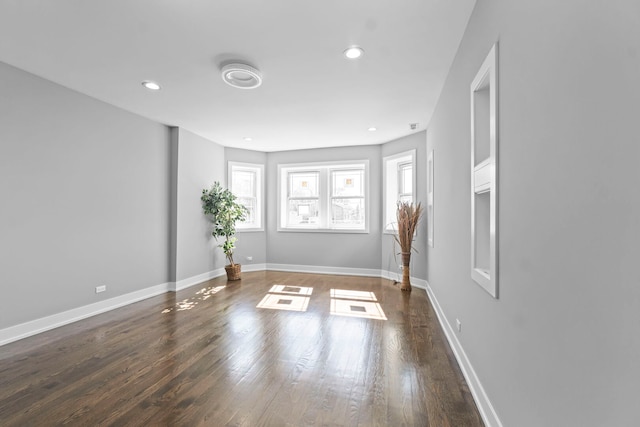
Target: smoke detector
413, 126
242, 76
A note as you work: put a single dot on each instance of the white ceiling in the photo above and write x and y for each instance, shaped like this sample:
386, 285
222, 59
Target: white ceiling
312, 96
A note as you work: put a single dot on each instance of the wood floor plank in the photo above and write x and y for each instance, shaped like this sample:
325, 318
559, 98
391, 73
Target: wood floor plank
208, 356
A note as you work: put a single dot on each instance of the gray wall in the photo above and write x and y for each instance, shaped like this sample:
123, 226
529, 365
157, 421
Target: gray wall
561, 345
200, 163
250, 243
326, 249
85, 199
390, 260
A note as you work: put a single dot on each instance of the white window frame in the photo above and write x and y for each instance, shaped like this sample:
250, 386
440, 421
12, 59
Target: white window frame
401, 192
318, 199
324, 170
331, 196
391, 185
258, 169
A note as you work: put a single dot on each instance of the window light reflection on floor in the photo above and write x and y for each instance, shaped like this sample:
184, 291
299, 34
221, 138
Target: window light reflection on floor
284, 302
359, 295
353, 308
345, 302
297, 290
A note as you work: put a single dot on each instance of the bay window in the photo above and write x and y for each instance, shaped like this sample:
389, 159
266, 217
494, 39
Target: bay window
323, 197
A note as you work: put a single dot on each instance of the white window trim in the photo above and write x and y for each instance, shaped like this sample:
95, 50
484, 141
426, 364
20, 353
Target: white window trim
331, 197
260, 211
324, 193
400, 177
390, 186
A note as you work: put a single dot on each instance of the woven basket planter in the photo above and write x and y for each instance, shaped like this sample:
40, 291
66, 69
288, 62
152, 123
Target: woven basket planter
406, 281
233, 271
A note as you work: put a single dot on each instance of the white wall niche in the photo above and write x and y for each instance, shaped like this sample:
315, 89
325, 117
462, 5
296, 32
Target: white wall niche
484, 189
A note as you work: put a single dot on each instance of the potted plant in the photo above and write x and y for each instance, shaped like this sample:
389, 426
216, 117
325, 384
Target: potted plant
224, 211
408, 217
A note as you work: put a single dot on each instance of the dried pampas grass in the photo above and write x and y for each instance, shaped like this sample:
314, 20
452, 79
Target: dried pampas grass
408, 217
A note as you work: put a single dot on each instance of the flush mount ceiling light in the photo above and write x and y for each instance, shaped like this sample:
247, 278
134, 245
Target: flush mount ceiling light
151, 85
241, 76
353, 52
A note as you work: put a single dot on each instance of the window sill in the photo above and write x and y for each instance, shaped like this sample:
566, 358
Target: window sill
249, 230
323, 230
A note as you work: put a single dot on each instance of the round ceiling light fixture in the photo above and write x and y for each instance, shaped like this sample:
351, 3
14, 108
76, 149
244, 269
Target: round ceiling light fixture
151, 85
241, 76
353, 52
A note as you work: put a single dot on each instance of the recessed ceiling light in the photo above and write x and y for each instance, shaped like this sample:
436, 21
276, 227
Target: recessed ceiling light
248, 138
353, 52
372, 129
151, 85
241, 76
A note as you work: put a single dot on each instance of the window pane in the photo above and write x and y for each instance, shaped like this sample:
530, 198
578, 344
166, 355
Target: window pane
303, 184
406, 178
243, 183
398, 185
347, 212
303, 212
348, 183
250, 204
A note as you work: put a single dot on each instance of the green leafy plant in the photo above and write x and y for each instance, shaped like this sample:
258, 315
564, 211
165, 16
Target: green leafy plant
221, 205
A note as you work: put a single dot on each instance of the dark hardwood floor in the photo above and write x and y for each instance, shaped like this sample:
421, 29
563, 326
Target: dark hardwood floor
208, 356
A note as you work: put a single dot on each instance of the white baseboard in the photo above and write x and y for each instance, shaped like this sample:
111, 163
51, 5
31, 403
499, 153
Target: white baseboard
194, 280
253, 267
386, 274
33, 327
419, 283
342, 271
485, 407
397, 277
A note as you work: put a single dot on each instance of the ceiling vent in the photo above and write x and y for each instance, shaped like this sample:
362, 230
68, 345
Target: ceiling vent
241, 76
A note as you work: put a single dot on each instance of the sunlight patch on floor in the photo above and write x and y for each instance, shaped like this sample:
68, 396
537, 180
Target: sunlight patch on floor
347, 294
297, 290
364, 309
284, 302
189, 303
345, 302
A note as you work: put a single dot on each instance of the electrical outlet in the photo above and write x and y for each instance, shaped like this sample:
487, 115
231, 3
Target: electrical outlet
400, 267
249, 258
100, 289
459, 325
